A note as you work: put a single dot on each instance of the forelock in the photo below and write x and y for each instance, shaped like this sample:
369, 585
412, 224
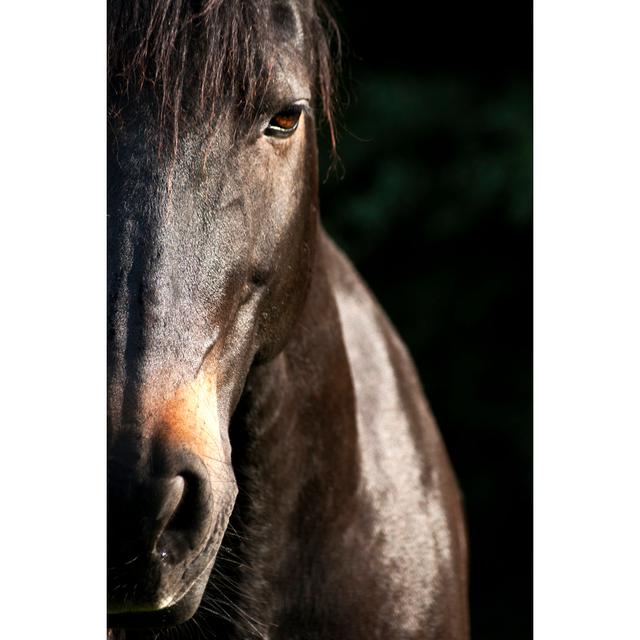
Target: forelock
219, 54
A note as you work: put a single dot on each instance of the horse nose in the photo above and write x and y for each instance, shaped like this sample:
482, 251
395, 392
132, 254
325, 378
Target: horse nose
181, 520
170, 503
163, 519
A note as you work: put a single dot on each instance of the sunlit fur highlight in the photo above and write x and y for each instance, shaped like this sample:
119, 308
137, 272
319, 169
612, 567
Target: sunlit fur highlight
190, 418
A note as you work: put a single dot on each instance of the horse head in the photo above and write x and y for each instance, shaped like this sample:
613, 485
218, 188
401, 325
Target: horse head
212, 205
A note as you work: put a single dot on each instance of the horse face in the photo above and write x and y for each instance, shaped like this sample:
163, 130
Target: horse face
209, 255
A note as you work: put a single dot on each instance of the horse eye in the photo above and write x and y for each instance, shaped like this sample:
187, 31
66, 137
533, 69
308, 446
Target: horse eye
285, 122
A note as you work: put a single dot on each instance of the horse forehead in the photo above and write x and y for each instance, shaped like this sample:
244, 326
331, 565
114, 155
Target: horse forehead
287, 21
137, 147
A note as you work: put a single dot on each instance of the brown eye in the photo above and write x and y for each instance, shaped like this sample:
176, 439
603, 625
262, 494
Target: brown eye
285, 122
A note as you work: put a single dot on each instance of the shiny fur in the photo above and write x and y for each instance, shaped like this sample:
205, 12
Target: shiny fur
249, 363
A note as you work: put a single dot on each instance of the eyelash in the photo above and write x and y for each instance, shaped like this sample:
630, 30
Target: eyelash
284, 123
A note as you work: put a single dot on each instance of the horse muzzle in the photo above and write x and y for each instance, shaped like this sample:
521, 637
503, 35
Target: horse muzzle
164, 530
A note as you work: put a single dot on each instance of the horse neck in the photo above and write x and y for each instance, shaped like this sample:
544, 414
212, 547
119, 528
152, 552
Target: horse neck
295, 448
298, 410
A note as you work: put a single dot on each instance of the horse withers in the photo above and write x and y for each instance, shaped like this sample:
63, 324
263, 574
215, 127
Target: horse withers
273, 467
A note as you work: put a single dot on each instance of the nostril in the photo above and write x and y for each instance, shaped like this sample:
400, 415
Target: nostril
174, 494
185, 517
181, 524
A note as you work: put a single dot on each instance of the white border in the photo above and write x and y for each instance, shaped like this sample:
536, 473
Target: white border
52, 319
587, 319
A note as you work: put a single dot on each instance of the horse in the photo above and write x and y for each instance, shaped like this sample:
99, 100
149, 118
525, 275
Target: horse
274, 469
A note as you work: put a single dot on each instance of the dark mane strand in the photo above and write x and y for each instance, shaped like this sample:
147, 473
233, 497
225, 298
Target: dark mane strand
220, 52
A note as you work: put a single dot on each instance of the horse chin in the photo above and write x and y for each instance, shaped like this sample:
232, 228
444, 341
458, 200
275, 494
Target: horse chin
179, 610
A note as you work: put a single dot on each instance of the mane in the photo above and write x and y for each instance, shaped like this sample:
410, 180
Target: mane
218, 52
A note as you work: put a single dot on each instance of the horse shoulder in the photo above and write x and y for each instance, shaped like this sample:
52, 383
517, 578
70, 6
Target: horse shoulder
406, 476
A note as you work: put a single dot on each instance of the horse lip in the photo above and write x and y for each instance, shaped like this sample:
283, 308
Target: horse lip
162, 602
174, 610
177, 598
162, 613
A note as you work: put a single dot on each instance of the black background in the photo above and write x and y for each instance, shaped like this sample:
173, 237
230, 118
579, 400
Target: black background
433, 202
